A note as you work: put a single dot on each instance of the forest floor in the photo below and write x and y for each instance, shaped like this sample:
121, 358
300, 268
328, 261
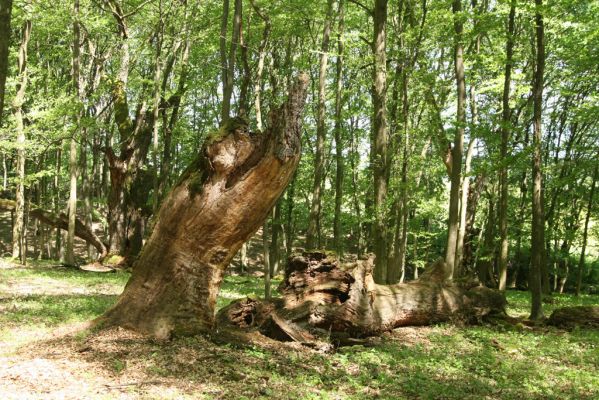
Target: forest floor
46, 353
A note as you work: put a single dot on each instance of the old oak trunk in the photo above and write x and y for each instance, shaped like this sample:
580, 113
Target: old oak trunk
220, 201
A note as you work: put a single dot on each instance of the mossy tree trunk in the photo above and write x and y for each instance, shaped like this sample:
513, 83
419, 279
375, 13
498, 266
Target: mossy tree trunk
219, 202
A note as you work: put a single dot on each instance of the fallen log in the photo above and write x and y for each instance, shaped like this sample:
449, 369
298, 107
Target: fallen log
570, 317
61, 221
323, 298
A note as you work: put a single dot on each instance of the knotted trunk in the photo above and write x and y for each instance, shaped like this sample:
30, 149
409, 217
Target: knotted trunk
322, 298
220, 201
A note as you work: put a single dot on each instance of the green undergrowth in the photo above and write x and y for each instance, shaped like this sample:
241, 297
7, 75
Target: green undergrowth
500, 361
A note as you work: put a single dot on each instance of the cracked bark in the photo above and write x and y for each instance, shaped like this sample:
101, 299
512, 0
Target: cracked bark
219, 202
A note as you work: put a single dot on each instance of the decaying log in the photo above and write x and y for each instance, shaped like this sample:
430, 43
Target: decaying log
321, 297
570, 317
222, 198
61, 221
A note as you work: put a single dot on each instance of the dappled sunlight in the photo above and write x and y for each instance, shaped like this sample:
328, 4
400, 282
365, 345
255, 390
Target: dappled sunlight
46, 350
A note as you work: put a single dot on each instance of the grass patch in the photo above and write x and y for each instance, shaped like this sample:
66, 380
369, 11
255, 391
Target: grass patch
519, 302
442, 361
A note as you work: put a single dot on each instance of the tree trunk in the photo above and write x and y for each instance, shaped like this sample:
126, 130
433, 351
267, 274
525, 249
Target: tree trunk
322, 299
275, 235
485, 260
538, 220
229, 72
72, 204
339, 170
505, 135
289, 220
464, 196
224, 70
158, 68
585, 233
5, 16
60, 221
266, 260
19, 225
220, 201
458, 145
313, 234
260, 65
379, 156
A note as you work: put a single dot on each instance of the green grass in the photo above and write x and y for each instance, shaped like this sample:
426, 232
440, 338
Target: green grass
237, 287
519, 302
439, 362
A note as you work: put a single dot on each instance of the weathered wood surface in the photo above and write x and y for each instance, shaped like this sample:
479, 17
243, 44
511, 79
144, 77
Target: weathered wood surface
220, 201
322, 298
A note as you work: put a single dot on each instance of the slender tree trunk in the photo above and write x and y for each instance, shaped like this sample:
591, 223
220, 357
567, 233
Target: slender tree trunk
156, 112
459, 253
228, 83
585, 233
339, 170
5, 17
72, 204
266, 258
224, 69
73, 166
313, 234
538, 220
484, 262
56, 201
355, 187
17, 105
289, 234
258, 109
4, 171
458, 145
170, 123
243, 105
275, 254
379, 156
260, 66
505, 136
403, 241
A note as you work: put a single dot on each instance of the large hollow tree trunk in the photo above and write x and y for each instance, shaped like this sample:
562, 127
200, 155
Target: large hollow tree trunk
322, 298
219, 202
